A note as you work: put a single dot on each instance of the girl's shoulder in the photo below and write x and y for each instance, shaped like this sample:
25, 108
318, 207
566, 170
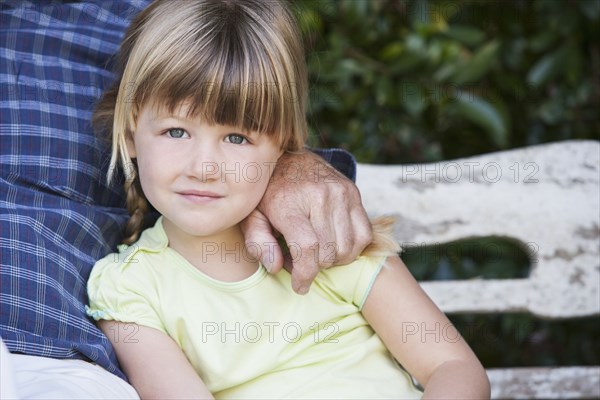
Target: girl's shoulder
153, 240
352, 282
125, 286
127, 265
132, 261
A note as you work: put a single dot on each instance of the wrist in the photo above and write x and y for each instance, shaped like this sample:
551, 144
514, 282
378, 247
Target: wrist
306, 166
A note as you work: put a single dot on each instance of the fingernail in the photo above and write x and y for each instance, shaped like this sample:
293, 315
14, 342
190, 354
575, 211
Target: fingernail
266, 263
303, 290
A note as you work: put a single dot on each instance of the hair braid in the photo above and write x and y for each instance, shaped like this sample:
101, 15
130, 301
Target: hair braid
137, 206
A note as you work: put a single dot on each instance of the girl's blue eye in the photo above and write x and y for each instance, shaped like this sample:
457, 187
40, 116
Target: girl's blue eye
176, 133
236, 139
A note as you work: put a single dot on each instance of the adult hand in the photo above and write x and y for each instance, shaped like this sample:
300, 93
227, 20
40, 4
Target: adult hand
319, 213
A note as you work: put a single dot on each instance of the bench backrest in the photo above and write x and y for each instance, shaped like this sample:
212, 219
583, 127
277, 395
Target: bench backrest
546, 197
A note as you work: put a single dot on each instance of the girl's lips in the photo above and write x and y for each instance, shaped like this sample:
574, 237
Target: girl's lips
200, 196
203, 193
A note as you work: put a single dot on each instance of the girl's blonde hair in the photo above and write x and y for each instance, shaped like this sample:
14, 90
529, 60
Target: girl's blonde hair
238, 63
235, 62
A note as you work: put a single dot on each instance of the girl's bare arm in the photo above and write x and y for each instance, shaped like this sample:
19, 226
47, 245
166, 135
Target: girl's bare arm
153, 363
422, 338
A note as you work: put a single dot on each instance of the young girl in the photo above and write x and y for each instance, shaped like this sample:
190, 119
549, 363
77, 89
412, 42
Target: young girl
211, 95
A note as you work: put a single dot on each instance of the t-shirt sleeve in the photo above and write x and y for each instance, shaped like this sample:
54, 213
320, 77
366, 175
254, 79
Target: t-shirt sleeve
123, 292
352, 283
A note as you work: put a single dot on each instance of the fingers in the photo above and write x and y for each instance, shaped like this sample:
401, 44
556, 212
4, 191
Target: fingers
341, 225
303, 245
320, 216
334, 231
356, 235
323, 217
344, 236
261, 244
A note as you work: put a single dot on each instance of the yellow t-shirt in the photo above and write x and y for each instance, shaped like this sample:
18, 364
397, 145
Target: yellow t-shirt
254, 338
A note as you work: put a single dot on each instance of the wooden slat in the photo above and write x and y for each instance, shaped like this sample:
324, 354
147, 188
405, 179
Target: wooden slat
480, 296
545, 383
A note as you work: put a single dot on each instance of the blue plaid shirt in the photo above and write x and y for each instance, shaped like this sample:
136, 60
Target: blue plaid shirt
57, 216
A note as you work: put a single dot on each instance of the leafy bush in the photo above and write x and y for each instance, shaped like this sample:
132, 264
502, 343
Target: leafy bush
417, 81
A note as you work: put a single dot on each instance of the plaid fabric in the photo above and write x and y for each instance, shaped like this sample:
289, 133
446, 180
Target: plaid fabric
342, 160
57, 216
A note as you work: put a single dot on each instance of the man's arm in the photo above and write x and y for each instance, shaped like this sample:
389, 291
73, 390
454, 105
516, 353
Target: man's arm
318, 211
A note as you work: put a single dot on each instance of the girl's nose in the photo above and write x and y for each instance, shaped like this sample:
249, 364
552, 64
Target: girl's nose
204, 162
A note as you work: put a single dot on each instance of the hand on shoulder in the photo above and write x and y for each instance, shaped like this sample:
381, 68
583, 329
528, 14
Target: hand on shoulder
317, 210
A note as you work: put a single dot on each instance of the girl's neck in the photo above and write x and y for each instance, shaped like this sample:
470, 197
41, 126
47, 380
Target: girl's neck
222, 255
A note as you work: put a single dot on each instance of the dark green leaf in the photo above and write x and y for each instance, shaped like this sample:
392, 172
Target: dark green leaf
468, 35
446, 71
590, 8
479, 64
547, 67
483, 114
543, 41
391, 51
418, 12
413, 99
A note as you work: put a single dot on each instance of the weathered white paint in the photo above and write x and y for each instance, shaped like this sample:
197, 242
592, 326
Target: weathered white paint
545, 383
547, 197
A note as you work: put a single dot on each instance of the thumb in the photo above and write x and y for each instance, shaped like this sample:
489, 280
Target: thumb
260, 242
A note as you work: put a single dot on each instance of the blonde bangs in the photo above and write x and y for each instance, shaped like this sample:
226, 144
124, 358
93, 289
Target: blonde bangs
225, 69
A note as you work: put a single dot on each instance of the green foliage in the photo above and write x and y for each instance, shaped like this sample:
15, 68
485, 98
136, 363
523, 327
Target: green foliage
476, 258
415, 81
519, 340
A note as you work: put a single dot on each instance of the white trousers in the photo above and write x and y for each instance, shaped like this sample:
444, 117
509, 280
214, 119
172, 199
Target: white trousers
31, 377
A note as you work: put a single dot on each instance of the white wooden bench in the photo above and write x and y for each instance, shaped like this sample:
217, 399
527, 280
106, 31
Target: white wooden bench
546, 197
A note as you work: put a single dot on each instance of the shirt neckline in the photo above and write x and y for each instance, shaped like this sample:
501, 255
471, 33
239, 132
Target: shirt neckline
155, 240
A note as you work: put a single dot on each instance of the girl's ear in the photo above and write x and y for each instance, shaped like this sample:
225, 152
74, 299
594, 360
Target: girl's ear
130, 145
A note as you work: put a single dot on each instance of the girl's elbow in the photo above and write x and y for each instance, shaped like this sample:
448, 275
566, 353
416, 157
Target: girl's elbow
476, 373
458, 378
